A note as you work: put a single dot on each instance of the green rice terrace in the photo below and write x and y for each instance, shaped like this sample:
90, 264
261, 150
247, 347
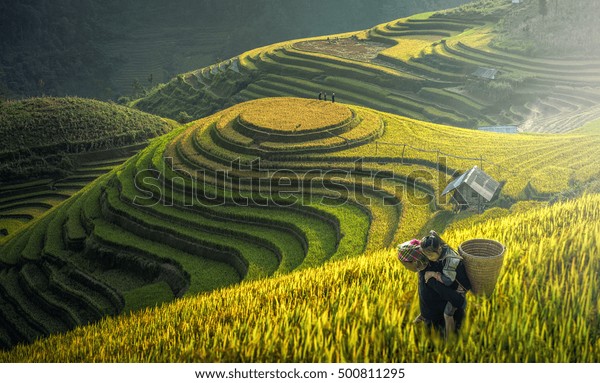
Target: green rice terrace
443, 67
52, 147
247, 194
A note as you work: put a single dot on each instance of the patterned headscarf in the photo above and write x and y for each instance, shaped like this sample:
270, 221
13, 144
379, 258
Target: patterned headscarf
411, 255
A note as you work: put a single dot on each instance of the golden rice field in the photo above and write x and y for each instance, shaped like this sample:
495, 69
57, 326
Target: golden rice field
547, 163
545, 309
287, 114
408, 48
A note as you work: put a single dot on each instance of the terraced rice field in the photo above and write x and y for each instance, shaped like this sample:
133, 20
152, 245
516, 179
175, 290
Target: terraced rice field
570, 85
52, 147
420, 67
116, 243
544, 309
237, 197
22, 203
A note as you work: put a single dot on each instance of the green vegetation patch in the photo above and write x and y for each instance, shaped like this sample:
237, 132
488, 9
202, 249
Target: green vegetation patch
147, 296
37, 135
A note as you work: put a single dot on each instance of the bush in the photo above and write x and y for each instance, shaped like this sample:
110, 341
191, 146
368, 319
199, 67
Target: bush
183, 117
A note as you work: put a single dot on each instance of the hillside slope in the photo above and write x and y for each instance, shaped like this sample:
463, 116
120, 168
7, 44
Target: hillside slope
261, 189
110, 48
433, 67
36, 135
545, 309
52, 147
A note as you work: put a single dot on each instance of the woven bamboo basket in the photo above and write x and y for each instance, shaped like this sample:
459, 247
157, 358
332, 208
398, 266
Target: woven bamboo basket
483, 260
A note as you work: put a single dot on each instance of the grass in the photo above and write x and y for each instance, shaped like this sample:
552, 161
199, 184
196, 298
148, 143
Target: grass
102, 221
452, 99
286, 246
542, 151
533, 67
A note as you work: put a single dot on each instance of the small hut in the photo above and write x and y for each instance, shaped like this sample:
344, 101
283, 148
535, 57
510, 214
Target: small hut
485, 73
473, 190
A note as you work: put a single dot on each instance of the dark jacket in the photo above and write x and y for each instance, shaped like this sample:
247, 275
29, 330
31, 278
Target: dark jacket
434, 295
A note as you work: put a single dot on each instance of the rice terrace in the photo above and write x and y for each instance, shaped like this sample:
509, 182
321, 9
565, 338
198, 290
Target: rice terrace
239, 213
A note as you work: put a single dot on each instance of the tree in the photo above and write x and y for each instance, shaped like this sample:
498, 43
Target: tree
183, 117
138, 89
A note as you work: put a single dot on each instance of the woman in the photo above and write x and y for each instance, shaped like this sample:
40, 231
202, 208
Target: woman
443, 281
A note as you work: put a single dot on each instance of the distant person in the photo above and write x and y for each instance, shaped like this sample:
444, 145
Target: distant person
333, 97
325, 96
320, 96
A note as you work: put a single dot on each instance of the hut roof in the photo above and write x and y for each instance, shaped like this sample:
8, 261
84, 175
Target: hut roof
478, 180
487, 73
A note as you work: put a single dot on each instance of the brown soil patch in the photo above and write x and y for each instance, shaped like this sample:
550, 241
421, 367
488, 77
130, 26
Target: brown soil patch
350, 48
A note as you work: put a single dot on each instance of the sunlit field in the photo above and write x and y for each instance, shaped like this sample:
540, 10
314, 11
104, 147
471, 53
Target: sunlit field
544, 309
